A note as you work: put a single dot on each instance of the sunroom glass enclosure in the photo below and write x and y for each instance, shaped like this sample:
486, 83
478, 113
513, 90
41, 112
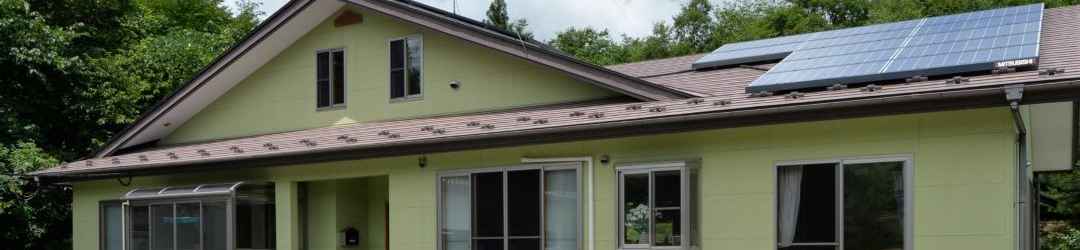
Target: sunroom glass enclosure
201, 217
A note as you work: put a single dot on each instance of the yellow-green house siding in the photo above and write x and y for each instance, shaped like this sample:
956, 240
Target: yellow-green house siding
280, 96
963, 178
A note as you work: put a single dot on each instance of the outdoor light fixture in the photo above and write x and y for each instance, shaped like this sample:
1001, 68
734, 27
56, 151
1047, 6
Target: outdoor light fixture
422, 161
455, 84
605, 159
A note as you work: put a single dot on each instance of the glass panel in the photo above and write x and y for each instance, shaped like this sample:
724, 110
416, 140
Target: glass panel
254, 224
525, 244
561, 210
455, 212
397, 54
144, 192
809, 248
216, 187
667, 195
415, 64
488, 204
814, 211
873, 206
161, 227
636, 209
322, 80
179, 190
488, 244
215, 225
339, 77
397, 83
397, 68
140, 227
667, 189
188, 223
113, 228
668, 227
523, 202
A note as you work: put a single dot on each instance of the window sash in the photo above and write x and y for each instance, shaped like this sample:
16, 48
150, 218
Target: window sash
839, 166
506, 237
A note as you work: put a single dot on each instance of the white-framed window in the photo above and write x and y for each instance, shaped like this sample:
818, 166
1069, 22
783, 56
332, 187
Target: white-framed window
855, 203
406, 67
529, 207
330, 78
656, 205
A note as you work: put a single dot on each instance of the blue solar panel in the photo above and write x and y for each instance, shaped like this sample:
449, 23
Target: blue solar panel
952, 44
752, 51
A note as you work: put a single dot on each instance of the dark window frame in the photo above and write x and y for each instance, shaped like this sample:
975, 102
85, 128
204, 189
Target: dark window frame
408, 93
334, 102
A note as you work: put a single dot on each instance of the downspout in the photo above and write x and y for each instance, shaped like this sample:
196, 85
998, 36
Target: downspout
1014, 94
588, 161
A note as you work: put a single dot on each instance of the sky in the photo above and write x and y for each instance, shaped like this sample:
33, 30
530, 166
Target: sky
634, 18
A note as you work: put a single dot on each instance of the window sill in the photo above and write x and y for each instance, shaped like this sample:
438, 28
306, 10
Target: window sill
407, 99
331, 108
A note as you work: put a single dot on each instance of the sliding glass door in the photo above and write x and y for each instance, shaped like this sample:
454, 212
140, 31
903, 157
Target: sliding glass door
516, 208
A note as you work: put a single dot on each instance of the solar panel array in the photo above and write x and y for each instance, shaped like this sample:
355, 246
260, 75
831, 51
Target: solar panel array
951, 44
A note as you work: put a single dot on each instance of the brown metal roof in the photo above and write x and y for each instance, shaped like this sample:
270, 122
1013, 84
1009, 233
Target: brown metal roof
728, 106
421, 15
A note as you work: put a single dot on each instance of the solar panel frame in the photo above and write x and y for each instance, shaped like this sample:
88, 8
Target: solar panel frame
942, 45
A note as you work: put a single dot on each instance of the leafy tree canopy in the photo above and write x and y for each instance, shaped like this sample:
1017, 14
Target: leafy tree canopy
75, 72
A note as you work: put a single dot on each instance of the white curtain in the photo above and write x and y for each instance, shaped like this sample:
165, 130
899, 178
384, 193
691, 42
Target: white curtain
455, 212
790, 192
561, 206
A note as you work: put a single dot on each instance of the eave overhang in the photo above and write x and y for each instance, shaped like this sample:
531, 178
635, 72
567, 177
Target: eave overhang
954, 99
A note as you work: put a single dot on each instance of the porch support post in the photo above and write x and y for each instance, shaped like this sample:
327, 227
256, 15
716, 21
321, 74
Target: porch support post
287, 216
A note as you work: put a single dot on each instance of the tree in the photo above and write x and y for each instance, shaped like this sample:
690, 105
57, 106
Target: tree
590, 45
841, 13
75, 72
656, 45
498, 17
691, 27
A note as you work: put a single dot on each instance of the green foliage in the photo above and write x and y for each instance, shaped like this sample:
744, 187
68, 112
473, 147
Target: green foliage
1059, 237
1063, 188
589, 44
32, 216
499, 17
691, 28
75, 72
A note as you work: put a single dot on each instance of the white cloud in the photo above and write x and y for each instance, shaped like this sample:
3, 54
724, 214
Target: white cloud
631, 17
634, 18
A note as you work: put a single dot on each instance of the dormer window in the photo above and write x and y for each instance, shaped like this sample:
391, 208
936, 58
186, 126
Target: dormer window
406, 61
330, 78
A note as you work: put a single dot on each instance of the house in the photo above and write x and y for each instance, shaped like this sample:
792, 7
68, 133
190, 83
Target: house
368, 124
